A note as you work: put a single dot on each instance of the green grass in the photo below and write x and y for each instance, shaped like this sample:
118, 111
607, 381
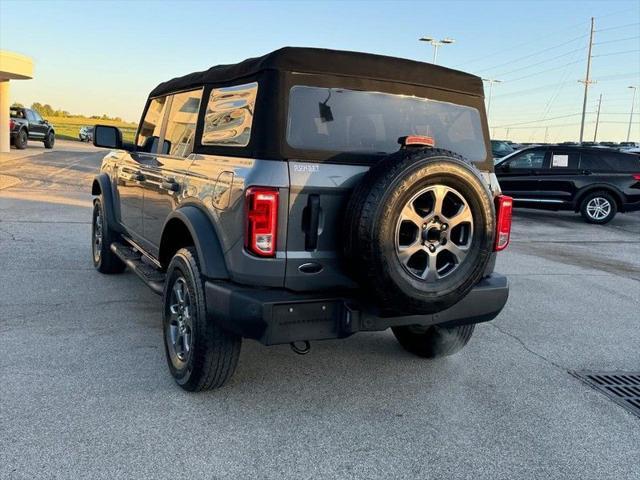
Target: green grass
68, 127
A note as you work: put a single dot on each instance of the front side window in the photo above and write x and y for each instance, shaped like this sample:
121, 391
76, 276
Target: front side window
30, 116
349, 121
149, 133
36, 116
229, 116
532, 160
181, 125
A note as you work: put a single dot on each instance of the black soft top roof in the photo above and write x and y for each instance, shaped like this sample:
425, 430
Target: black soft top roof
332, 62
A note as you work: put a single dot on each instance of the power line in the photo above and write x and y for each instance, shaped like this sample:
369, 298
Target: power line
617, 40
616, 53
518, 59
537, 121
618, 27
543, 71
541, 62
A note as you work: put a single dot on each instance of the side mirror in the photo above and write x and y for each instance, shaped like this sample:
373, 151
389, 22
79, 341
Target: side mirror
107, 136
46, 122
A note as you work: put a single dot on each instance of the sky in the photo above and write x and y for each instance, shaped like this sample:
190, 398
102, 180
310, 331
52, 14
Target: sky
104, 57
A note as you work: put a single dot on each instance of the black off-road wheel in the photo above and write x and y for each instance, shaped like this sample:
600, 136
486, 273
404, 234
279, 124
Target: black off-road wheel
49, 140
598, 207
21, 139
434, 341
104, 260
200, 355
419, 231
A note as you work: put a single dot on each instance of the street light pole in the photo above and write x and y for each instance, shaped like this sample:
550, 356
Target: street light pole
633, 101
491, 81
436, 44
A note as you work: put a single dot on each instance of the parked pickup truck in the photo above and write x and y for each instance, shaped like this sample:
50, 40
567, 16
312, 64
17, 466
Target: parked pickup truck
306, 195
26, 124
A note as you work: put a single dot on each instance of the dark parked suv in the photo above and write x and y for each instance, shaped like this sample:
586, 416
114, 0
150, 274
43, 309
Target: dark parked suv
26, 124
305, 195
597, 182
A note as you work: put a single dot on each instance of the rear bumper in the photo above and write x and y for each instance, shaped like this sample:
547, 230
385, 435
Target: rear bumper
277, 316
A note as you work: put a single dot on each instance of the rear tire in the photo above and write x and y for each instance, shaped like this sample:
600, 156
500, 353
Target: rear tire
49, 140
434, 341
104, 260
598, 207
21, 140
200, 354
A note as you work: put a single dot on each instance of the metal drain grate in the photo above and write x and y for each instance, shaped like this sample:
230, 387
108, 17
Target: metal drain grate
621, 387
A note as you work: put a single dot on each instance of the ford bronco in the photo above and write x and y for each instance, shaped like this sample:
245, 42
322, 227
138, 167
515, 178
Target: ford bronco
304, 195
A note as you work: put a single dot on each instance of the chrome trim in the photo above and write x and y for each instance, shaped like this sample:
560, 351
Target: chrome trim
538, 200
142, 251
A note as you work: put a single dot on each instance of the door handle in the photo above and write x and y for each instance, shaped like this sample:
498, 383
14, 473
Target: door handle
586, 172
311, 222
170, 184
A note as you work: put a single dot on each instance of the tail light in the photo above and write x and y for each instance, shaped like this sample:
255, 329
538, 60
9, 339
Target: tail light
636, 176
262, 221
12, 124
504, 208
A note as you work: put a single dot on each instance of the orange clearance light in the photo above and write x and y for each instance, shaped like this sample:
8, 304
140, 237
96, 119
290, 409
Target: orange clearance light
416, 141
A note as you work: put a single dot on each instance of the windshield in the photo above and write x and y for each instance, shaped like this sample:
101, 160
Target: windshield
339, 120
501, 148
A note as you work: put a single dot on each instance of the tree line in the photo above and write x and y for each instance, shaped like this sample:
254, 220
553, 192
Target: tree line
47, 110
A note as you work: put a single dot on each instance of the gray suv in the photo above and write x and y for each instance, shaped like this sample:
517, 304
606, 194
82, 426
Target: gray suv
306, 195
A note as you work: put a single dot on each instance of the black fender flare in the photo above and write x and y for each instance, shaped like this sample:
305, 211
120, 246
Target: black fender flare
102, 187
205, 239
617, 194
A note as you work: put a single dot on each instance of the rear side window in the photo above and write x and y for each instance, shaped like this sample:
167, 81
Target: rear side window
619, 162
229, 116
181, 124
609, 162
149, 133
350, 121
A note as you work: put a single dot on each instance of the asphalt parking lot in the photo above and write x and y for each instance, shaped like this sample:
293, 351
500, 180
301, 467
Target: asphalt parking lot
85, 391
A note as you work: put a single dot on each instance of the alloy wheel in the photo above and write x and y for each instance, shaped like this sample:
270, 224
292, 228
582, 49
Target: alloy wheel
97, 236
598, 208
179, 332
434, 233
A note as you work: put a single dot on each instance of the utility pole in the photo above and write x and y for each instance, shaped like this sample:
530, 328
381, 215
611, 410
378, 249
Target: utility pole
507, 136
546, 132
587, 81
633, 101
595, 133
491, 81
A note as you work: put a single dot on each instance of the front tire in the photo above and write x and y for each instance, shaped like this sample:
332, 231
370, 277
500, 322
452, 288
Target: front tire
21, 140
200, 354
433, 341
49, 140
598, 207
104, 260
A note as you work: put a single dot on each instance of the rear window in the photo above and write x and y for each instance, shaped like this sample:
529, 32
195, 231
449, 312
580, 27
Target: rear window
609, 162
349, 121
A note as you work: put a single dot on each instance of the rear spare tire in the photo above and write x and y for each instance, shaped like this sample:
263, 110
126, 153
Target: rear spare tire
419, 231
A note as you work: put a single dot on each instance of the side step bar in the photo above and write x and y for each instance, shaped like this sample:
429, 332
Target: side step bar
133, 259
